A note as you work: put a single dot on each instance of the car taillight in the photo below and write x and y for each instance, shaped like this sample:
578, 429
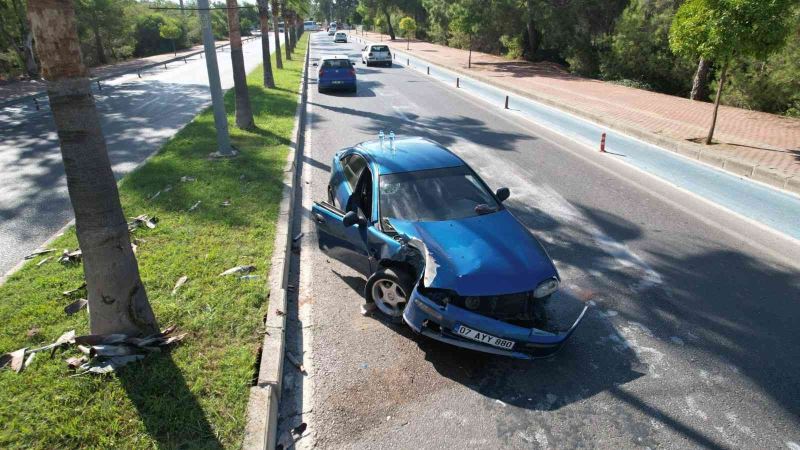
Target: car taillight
352, 71
321, 73
370, 54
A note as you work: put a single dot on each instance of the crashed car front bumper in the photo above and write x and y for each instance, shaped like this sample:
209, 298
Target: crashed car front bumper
428, 318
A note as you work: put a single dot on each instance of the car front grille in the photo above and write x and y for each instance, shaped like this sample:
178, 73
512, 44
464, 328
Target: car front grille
509, 307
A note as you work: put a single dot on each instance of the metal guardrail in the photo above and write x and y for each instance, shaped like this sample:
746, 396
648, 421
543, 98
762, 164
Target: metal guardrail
43, 93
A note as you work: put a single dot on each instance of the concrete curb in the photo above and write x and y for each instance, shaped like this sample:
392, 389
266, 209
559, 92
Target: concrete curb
31, 97
763, 174
262, 406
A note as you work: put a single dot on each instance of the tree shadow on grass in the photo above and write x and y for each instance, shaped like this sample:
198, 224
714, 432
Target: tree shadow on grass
169, 410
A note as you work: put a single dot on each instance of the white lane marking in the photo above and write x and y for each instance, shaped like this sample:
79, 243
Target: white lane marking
694, 409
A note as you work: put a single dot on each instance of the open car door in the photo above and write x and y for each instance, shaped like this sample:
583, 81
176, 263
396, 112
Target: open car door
344, 243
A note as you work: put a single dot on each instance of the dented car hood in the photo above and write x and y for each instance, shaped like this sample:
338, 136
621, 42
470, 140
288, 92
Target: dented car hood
491, 254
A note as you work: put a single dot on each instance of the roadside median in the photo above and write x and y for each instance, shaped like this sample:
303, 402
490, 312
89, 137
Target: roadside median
212, 216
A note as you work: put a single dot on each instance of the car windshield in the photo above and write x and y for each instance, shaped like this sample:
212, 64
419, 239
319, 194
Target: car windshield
434, 195
336, 64
379, 48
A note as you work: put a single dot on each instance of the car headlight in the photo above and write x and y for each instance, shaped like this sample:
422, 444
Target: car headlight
439, 296
472, 302
546, 288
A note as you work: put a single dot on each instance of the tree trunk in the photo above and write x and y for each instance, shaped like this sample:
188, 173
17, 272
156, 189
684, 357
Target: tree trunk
294, 30
183, 12
117, 299
389, 23
700, 81
716, 103
278, 62
98, 41
24, 47
31, 67
469, 60
244, 115
287, 45
534, 35
263, 18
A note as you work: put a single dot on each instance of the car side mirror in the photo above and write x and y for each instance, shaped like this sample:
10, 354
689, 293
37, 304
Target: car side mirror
315, 64
502, 194
350, 219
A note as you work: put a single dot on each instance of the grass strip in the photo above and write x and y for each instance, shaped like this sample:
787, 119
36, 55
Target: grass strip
196, 395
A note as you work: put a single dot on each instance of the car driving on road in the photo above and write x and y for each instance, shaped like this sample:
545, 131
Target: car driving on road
340, 36
336, 72
376, 54
439, 248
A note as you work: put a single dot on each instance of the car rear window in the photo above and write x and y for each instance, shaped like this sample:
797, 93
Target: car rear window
336, 64
380, 48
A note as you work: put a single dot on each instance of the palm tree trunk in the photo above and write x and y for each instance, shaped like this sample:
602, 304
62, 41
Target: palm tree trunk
98, 41
117, 299
244, 115
716, 103
294, 30
287, 45
275, 10
263, 18
700, 81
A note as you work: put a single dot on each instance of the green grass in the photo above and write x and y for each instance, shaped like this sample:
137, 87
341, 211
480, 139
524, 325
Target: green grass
196, 395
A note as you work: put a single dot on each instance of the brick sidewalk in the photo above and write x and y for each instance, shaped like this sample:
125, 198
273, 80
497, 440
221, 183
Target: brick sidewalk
766, 141
10, 91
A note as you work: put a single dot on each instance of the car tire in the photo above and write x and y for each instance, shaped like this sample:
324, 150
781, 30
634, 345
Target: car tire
390, 290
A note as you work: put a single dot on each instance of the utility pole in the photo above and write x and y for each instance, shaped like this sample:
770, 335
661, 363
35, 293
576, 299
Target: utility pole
220, 118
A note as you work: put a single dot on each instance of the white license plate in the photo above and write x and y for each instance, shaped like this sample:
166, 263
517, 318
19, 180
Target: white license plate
480, 336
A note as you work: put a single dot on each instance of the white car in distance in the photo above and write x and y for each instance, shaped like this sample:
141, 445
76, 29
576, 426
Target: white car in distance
376, 54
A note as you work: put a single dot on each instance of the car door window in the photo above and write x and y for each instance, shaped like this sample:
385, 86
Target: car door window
353, 166
361, 200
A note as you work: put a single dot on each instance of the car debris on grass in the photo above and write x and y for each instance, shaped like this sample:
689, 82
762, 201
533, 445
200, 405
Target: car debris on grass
71, 257
238, 269
143, 219
102, 353
181, 281
39, 252
76, 306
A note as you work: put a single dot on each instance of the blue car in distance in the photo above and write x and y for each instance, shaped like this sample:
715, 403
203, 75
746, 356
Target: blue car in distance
336, 72
439, 248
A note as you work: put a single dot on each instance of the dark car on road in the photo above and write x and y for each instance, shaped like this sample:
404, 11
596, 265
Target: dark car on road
439, 248
336, 72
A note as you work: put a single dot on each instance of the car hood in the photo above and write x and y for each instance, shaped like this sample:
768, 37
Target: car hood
492, 254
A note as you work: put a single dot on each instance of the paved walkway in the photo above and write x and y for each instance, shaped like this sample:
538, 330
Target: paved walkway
10, 91
768, 141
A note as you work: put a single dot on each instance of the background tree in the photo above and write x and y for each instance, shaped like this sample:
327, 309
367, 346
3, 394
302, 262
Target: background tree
408, 26
263, 18
244, 114
117, 299
171, 30
724, 30
16, 40
465, 18
275, 29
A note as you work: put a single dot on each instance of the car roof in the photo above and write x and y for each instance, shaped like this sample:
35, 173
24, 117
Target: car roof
329, 57
408, 154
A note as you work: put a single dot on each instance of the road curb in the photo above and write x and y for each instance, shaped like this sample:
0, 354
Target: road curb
738, 167
262, 406
43, 92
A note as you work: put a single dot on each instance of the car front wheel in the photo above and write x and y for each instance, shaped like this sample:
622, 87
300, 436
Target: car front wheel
390, 290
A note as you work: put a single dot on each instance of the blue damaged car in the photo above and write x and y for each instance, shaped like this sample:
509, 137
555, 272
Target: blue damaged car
438, 248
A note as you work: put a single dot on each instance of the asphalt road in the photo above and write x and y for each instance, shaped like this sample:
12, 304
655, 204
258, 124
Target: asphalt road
691, 341
138, 116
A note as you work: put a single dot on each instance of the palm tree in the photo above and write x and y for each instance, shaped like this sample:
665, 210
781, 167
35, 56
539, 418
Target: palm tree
263, 17
244, 115
275, 29
286, 43
117, 299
